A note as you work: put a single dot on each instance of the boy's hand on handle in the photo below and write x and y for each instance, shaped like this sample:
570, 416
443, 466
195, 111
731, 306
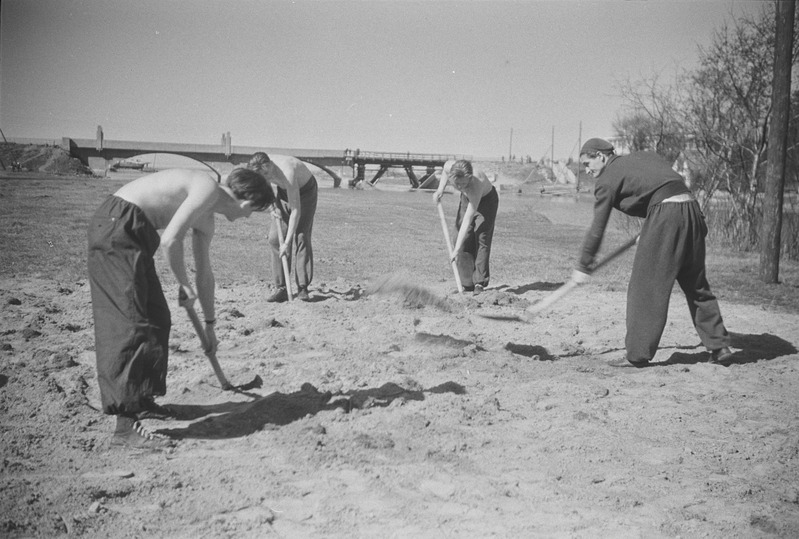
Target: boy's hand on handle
580, 277
211, 340
186, 296
437, 196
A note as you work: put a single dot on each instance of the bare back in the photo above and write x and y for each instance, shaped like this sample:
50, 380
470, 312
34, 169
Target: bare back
292, 173
161, 194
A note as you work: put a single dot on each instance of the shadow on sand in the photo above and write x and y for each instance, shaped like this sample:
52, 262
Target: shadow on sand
234, 420
532, 351
539, 286
752, 348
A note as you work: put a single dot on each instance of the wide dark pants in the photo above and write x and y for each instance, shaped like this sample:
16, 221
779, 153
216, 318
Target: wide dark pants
131, 316
302, 252
671, 247
473, 264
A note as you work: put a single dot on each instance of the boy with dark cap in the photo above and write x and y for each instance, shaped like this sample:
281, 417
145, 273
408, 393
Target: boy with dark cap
131, 316
671, 247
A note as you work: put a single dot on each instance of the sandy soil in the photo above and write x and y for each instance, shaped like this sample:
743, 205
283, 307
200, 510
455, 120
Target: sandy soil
382, 418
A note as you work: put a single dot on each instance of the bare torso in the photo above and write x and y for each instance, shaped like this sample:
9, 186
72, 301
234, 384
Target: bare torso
289, 172
477, 188
159, 195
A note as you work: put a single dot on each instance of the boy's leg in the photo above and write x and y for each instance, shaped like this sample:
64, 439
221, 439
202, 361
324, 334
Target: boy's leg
131, 349
702, 304
484, 233
465, 260
160, 322
273, 240
655, 267
303, 261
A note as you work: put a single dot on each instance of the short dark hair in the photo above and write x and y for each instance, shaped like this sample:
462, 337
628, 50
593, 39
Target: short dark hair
257, 160
249, 185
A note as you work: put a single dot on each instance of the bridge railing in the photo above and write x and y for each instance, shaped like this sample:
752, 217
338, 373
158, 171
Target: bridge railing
407, 156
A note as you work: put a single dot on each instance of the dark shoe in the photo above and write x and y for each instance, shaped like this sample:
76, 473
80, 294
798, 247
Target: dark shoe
469, 288
722, 355
130, 434
302, 295
478, 289
623, 363
279, 296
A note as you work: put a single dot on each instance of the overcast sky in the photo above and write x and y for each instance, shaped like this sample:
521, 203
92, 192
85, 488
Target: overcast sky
393, 76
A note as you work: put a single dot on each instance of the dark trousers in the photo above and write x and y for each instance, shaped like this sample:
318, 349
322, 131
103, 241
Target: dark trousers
671, 247
131, 316
473, 263
302, 252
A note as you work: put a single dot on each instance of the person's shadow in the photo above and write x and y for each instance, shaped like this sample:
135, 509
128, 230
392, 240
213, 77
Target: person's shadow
234, 420
751, 349
539, 286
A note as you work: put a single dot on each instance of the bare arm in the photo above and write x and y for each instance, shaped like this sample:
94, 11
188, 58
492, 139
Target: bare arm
296, 211
468, 215
195, 211
206, 283
442, 182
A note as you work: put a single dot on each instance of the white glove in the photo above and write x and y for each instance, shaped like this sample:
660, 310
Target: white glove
580, 277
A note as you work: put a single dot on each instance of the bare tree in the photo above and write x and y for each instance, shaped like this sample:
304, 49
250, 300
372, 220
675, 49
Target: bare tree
778, 142
650, 120
719, 115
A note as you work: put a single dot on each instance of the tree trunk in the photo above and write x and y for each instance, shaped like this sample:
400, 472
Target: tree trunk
771, 229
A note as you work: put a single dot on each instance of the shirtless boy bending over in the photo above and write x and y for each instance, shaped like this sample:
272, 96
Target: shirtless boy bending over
297, 193
131, 316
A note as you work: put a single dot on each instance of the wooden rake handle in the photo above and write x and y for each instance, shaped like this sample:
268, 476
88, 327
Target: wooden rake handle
449, 247
571, 284
200, 331
284, 258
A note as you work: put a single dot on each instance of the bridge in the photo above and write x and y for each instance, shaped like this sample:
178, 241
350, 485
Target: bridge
358, 160
101, 155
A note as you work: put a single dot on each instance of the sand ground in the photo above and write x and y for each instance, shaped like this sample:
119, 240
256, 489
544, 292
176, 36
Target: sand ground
382, 418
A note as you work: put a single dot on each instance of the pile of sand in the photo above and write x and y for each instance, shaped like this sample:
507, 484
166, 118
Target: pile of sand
41, 158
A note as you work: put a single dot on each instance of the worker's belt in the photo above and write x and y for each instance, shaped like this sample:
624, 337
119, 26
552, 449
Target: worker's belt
685, 197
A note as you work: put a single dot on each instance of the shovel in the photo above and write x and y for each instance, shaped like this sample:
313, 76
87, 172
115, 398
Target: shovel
449, 247
284, 258
528, 314
200, 330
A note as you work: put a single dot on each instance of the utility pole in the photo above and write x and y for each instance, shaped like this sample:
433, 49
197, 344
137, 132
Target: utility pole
770, 231
510, 148
579, 147
552, 149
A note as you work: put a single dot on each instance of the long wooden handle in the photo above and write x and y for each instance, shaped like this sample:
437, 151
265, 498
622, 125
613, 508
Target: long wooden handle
619, 250
571, 284
449, 247
284, 259
200, 331
552, 298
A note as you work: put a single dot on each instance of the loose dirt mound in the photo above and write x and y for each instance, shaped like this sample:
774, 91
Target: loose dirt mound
38, 158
